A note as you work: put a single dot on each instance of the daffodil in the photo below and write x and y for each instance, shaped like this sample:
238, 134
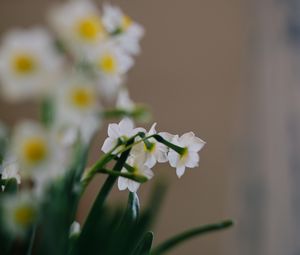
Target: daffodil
78, 25
29, 65
190, 157
77, 108
124, 130
137, 167
111, 64
19, 212
151, 150
125, 32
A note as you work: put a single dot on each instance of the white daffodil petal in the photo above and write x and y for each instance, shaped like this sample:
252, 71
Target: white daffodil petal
133, 186
113, 130
180, 171
108, 144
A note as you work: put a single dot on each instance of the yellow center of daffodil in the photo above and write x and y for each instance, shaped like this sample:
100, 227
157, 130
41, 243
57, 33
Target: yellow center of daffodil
24, 64
82, 97
35, 150
108, 64
90, 28
126, 22
24, 215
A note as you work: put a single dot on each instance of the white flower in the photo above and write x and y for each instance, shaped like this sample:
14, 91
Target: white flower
19, 212
78, 24
157, 152
29, 65
123, 100
77, 110
190, 158
32, 146
111, 64
10, 169
125, 32
124, 130
139, 168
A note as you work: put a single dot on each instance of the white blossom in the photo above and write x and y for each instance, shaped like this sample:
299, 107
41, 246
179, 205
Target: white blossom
111, 64
124, 130
123, 100
125, 32
157, 152
138, 168
77, 110
29, 65
78, 25
19, 212
190, 157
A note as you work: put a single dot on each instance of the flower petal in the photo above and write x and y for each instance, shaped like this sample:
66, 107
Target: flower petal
180, 171
108, 144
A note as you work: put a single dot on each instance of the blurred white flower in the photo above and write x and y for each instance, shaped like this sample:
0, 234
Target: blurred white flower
39, 156
190, 158
111, 63
156, 152
138, 168
78, 24
33, 147
125, 32
19, 212
9, 169
123, 100
77, 109
29, 64
124, 130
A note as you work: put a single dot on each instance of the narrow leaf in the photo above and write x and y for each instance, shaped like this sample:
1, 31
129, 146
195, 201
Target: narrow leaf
172, 242
144, 246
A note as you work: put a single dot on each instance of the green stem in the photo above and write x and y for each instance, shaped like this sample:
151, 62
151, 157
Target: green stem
178, 149
131, 176
172, 242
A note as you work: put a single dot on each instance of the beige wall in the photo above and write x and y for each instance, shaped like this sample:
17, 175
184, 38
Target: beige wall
189, 73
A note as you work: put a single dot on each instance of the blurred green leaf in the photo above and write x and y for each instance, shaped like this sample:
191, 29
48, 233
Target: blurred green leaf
47, 112
145, 244
176, 240
11, 186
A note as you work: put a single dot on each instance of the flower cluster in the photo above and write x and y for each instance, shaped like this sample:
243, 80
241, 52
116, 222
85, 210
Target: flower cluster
149, 148
76, 70
76, 73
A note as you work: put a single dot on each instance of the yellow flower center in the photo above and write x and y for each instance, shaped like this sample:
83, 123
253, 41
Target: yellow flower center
24, 215
82, 97
90, 28
126, 22
108, 64
35, 150
24, 64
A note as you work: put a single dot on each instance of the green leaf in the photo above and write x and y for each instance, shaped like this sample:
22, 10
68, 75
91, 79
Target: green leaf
140, 113
90, 226
145, 244
133, 207
11, 186
47, 112
176, 240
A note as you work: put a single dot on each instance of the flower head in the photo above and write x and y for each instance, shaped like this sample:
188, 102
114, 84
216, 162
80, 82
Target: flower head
125, 32
111, 64
139, 168
78, 24
189, 158
19, 212
152, 150
28, 64
124, 130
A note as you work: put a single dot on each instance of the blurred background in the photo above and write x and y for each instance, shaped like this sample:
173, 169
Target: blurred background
229, 71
